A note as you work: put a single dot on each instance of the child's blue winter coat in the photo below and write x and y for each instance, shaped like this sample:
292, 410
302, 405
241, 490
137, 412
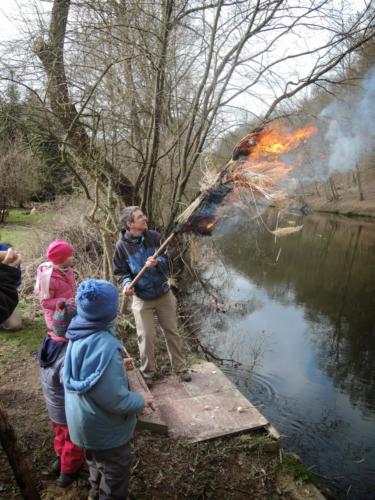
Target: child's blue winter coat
100, 410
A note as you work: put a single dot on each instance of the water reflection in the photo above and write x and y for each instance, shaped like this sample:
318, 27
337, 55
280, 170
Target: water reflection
302, 311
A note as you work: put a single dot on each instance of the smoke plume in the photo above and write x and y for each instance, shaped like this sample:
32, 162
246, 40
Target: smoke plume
350, 130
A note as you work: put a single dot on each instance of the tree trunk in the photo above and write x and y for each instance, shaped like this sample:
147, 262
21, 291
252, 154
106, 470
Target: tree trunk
51, 54
17, 461
158, 105
333, 189
359, 183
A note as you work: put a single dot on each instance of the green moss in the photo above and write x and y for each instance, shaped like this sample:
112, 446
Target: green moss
299, 472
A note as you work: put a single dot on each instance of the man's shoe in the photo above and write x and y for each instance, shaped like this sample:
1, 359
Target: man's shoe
149, 379
149, 382
64, 480
184, 376
56, 467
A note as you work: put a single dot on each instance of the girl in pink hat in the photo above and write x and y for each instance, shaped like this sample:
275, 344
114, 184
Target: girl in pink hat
55, 279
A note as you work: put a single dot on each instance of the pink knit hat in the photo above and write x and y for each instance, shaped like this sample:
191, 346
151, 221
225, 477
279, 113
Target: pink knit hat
58, 251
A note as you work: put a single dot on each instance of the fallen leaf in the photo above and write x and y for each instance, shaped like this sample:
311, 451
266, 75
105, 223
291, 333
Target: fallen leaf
286, 231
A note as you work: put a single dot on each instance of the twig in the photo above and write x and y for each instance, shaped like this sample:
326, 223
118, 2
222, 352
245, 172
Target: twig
209, 353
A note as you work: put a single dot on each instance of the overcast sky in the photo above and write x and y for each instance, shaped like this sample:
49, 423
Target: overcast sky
10, 13
14, 13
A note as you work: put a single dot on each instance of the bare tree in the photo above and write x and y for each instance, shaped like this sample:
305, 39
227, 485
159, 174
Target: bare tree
136, 92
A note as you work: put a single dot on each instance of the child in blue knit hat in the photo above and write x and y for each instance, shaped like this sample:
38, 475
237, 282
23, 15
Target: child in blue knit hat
51, 355
100, 409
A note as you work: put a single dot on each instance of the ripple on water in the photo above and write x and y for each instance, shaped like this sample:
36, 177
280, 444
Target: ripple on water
261, 387
279, 407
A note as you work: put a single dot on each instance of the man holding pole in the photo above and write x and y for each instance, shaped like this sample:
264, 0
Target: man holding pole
151, 294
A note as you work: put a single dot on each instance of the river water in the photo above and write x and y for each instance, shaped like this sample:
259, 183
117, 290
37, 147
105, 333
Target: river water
298, 313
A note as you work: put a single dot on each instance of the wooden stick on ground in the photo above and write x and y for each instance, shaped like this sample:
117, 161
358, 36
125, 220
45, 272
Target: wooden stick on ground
21, 469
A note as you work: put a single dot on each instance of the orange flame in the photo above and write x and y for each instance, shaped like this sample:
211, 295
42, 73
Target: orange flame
255, 167
210, 225
262, 168
274, 142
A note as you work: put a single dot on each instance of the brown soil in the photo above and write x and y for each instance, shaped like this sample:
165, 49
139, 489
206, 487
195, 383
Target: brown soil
242, 467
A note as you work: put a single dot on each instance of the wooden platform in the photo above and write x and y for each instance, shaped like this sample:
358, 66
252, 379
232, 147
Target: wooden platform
149, 419
207, 407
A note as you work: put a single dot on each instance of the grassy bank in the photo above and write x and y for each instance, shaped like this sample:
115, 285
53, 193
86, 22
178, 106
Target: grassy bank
19, 226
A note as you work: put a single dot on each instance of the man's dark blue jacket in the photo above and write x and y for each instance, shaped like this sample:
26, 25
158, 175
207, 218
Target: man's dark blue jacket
130, 256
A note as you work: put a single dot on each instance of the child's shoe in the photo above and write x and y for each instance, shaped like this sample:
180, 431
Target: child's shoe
83, 473
64, 480
56, 467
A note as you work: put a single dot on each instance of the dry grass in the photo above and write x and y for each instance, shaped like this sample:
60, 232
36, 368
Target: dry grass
67, 222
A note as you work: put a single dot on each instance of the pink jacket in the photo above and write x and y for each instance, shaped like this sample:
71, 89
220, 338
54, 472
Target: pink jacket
61, 286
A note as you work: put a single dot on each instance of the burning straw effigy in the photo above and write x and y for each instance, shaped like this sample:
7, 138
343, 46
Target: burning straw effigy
255, 168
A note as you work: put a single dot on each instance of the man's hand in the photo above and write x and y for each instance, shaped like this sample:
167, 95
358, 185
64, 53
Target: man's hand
12, 258
149, 400
151, 262
128, 291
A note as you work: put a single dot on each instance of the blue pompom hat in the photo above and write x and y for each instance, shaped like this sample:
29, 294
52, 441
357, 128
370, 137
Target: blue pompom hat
97, 300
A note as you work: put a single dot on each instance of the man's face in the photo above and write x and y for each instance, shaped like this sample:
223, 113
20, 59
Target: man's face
139, 224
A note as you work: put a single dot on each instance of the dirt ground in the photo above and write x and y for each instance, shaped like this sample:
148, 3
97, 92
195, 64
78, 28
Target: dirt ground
246, 466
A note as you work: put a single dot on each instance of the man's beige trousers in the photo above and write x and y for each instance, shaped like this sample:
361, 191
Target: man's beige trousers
165, 310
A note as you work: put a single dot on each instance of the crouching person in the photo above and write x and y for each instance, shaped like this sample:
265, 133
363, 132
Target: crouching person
100, 409
51, 356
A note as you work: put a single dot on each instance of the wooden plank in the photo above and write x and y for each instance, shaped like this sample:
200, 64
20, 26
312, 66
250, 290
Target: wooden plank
207, 407
148, 419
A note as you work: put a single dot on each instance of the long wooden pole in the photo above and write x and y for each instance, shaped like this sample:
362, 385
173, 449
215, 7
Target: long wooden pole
16, 458
158, 252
